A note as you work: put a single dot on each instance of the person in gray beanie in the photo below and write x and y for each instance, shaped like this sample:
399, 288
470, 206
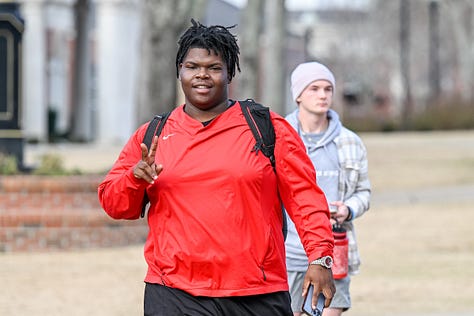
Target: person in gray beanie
340, 159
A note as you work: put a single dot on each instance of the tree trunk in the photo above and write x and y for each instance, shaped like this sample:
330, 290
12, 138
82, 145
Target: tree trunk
252, 28
461, 14
405, 61
274, 65
163, 23
434, 72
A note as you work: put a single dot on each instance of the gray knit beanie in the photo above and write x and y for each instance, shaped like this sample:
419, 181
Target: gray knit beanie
306, 73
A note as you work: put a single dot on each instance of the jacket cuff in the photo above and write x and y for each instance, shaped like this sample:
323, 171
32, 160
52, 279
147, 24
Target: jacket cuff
350, 216
318, 255
135, 183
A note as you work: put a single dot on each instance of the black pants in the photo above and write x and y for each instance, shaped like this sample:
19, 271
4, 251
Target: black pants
165, 301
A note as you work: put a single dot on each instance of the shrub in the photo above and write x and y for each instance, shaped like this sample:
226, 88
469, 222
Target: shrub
8, 164
448, 115
445, 116
52, 165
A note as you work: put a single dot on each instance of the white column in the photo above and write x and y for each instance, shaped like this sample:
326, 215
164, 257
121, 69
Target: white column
34, 114
117, 36
60, 25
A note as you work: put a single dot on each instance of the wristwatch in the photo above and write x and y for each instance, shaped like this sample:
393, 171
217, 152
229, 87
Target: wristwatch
324, 261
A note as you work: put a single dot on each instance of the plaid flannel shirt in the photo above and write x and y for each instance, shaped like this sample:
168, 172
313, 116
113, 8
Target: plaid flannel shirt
354, 186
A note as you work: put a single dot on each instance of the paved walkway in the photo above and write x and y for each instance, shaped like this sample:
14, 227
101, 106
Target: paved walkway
452, 193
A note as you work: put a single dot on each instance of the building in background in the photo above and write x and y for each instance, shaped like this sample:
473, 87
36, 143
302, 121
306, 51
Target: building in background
81, 59
94, 102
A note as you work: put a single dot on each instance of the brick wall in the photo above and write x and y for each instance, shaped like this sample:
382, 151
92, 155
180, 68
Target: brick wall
50, 213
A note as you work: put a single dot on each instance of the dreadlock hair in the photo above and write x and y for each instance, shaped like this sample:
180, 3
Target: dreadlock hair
216, 38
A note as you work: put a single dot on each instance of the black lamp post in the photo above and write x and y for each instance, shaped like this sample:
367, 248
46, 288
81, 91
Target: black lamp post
11, 30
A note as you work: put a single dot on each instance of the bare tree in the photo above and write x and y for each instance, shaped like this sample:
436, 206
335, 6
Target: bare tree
460, 15
434, 71
405, 60
273, 93
163, 23
251, 31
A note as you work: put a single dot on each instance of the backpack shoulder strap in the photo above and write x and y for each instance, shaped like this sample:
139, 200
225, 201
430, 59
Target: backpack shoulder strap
154, 129
260, 123
259, 120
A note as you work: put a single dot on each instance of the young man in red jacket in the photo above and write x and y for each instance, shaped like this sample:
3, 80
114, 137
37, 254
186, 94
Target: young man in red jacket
215, 245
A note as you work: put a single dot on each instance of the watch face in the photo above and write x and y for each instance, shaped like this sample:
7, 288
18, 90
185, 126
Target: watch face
328, 261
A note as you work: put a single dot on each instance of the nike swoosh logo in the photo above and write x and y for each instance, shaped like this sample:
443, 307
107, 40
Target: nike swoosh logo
167, 136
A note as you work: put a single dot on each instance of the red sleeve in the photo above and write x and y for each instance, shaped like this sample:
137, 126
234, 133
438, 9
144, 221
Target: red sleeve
120, 193
304, 201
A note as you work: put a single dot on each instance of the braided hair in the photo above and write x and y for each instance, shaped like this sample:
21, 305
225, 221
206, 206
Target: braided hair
216, 38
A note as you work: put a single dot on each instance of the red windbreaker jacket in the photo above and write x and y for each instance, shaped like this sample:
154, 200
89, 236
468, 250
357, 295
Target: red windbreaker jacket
215, 222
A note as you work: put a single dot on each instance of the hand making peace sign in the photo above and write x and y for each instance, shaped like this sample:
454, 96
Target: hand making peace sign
146, 168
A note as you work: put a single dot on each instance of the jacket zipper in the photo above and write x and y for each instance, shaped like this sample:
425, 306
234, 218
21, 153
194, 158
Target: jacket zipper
263, 273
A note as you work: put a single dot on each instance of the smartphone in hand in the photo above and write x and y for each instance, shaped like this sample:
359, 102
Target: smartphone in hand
307, 308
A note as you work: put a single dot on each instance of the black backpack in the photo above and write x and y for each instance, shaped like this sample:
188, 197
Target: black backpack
260, 123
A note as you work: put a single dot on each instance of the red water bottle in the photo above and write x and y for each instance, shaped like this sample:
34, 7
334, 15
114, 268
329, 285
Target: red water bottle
340, 267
